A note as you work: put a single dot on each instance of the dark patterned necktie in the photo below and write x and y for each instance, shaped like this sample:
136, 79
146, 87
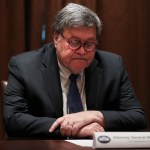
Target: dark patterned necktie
73, 98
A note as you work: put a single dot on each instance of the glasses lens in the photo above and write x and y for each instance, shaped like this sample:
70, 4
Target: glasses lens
74, 44
89, 46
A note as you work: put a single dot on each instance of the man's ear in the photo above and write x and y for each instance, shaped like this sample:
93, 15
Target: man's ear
55, 38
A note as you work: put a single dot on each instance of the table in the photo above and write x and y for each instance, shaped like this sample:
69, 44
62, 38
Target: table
43, 145
39, 145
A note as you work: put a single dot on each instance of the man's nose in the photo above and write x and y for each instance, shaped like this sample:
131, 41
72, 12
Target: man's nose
81, 50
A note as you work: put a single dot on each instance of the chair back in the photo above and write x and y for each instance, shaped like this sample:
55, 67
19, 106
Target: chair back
3, 135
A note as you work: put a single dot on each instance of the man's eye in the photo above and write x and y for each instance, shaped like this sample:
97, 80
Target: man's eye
74, 43
89, 44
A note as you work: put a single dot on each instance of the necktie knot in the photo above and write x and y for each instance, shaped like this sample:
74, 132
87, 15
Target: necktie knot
73, 77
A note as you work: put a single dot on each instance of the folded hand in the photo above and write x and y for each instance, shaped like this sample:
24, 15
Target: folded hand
77, 124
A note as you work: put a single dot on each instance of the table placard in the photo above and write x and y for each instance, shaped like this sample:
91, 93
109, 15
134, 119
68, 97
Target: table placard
121, 140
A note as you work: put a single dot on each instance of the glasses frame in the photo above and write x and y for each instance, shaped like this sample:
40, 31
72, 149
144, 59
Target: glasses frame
82, 44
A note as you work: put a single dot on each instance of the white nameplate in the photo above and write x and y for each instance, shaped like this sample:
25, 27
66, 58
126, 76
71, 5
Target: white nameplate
121, 140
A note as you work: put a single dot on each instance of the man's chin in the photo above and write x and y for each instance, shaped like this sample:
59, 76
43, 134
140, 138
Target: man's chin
78, 69
78, 65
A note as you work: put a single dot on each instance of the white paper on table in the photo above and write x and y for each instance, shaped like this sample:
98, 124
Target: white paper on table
84, 143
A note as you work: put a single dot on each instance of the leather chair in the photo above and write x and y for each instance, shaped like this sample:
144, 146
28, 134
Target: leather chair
3, 135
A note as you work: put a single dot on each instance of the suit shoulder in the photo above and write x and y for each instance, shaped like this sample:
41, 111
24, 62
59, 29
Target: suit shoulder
106, 54
107, 57
33, 55
109, 61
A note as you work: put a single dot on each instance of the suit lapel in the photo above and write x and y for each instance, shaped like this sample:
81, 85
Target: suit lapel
93, 86
50, 72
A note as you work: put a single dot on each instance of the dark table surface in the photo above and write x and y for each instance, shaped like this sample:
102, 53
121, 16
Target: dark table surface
43, 145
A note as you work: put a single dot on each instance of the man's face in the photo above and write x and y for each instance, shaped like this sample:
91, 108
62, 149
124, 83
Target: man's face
75, 60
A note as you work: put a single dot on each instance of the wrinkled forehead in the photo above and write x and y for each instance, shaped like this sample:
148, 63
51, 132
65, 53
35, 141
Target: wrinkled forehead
80, 32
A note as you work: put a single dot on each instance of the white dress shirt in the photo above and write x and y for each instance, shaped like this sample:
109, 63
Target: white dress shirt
64, 78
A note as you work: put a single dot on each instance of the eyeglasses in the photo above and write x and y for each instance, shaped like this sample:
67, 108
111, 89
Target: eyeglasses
76, 44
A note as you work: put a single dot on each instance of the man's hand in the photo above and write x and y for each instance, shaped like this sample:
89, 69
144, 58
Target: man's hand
89, 130
70, 124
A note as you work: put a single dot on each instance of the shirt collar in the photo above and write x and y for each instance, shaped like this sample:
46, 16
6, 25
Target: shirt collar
65, 73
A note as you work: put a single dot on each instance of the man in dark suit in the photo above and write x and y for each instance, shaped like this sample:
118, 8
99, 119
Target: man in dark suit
36, 100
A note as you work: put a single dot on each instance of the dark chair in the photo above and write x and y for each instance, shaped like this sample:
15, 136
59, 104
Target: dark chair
3, 135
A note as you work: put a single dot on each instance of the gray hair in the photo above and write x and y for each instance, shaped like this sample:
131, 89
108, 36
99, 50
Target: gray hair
75, 15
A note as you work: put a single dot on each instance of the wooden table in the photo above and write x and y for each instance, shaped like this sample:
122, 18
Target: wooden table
43, 145
39, 145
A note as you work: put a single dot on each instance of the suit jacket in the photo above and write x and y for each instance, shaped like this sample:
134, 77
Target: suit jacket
33, 99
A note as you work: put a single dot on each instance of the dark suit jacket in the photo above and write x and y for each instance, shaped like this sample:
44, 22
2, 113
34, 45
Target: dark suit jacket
33, 97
